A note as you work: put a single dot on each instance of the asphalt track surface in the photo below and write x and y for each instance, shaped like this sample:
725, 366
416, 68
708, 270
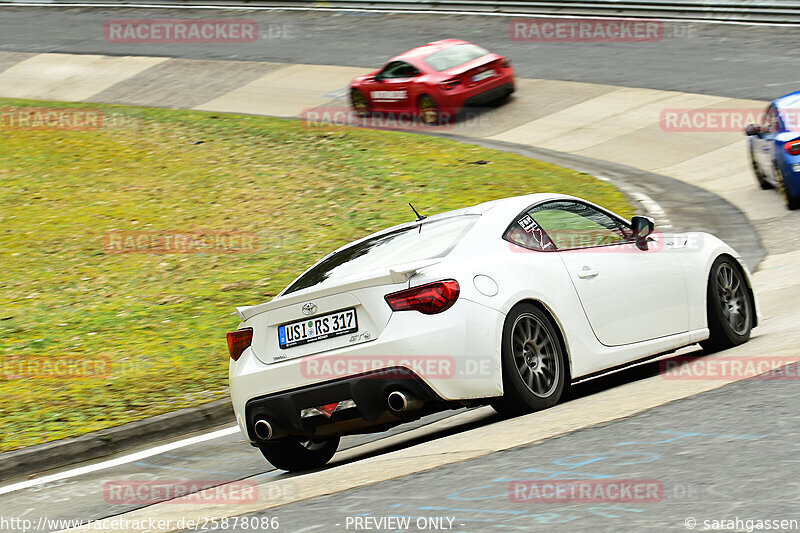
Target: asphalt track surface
221, 460
759, 62
230, 458
710, 457
698, 473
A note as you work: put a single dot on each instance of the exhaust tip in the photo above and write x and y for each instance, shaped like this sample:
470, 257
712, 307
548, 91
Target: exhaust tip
398, 402
402, 402
262, 429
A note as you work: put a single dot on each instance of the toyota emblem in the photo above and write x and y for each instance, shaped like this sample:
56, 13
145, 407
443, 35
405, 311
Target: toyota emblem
309, 308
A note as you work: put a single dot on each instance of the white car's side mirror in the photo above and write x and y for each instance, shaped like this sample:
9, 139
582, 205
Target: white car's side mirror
642, 228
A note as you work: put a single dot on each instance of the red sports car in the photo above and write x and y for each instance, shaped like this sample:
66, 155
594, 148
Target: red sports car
434, 81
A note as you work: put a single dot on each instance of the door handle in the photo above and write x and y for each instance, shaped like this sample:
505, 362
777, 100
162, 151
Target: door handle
587, 273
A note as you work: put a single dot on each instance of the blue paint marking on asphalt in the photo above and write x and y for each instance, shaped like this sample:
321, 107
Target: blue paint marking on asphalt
506, 514
571, 468
683, 435
567, 474
493, 511
652, 458
456, 495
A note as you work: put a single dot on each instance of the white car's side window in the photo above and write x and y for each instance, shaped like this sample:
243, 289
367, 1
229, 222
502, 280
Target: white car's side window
566, 225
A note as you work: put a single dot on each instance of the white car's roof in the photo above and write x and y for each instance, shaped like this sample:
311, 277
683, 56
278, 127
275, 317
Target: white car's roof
515, 203
511, 206
508, 208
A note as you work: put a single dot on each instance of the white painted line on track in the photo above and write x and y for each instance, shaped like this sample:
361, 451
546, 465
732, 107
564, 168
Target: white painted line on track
119, 460
52, 3
653, 208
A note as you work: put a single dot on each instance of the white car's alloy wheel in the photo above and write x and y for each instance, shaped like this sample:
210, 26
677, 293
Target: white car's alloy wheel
730, 306
732, 295
535, 355
534, 371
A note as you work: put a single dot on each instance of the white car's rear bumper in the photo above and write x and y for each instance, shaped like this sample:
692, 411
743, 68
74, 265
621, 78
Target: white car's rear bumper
455, 354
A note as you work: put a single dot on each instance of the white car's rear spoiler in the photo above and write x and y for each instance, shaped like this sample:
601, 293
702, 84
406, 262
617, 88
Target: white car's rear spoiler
396, 274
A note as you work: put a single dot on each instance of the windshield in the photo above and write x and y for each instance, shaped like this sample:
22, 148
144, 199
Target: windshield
454, 56
433, 239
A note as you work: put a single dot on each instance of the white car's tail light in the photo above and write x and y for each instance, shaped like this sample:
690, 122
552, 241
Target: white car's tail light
428, 299
238, 341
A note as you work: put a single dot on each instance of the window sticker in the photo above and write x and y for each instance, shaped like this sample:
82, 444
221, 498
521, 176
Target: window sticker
527, 223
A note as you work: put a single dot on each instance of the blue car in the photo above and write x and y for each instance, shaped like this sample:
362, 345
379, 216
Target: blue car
775, 148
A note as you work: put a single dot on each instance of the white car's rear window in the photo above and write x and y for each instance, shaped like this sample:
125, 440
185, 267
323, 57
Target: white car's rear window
428, 240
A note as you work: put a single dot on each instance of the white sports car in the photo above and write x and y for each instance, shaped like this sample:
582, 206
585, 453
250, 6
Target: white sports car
504, 303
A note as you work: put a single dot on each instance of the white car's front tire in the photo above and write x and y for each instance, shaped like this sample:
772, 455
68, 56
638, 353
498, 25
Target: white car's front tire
730, 308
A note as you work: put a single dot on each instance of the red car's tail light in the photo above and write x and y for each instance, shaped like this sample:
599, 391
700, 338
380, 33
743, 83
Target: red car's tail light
428, 299
238, 341
449, 84
793, 147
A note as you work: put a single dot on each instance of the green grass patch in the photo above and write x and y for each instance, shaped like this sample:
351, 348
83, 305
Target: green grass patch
160, 319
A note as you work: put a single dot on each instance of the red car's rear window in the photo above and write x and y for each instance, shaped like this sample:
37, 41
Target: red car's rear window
454, 56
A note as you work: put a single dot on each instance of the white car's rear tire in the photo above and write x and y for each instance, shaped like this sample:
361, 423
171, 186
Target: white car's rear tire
294, 454
535, 373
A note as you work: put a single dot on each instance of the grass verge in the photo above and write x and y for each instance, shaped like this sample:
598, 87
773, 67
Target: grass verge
153, 324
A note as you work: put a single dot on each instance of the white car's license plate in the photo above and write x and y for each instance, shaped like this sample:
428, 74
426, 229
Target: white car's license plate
317, 328
483, 75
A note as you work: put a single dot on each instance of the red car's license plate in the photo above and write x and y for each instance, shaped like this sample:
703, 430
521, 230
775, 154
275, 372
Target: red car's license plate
483, 75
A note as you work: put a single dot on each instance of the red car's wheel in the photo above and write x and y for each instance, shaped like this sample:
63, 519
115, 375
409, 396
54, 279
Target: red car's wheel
428, 110
359, 102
